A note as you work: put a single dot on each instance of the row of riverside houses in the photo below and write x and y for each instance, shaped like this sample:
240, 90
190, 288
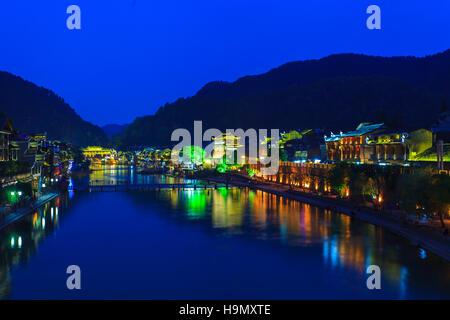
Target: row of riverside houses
372, 143
377, 143
394, 152
29, 159
369, 143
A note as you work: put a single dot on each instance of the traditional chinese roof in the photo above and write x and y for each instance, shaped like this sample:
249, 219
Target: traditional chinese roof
39, 137
5, 125
95, 149
332, 138
362, 129
14, 145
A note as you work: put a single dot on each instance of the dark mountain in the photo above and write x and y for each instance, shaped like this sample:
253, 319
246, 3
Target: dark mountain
113, 129
36, 109
336, 92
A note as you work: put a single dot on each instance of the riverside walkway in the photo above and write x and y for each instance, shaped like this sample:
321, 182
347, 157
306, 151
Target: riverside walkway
20, 213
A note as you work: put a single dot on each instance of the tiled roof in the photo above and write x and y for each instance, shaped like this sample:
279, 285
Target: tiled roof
362, 129
5, 125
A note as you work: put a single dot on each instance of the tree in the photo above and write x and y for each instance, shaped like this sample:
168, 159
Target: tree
357, 182
338, 176
440, 195
377, 180
413, 192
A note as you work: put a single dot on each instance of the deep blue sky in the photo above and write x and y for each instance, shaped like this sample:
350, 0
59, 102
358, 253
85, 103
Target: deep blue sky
132, 56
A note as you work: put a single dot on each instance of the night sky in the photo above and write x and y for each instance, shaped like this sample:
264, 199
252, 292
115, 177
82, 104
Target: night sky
132, 56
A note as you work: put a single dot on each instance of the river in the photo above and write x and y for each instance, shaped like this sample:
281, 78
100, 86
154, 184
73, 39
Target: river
206, 244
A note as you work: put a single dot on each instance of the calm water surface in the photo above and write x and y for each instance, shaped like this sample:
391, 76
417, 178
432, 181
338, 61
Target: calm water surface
197, 244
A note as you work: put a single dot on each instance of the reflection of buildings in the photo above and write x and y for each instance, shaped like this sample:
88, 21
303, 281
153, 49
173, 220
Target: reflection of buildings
302, 225
307, 230
228, 208
298, 223
19, 241
345, 249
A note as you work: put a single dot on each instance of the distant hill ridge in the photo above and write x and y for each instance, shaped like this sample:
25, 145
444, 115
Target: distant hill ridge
36, 109
113, 129
428, 71
335, 92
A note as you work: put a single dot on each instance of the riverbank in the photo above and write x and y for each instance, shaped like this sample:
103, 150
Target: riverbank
20, 213
419, 235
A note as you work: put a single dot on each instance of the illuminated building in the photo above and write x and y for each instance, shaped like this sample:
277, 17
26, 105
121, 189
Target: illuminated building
369, 143
435, 144
226, 145
93, 151
298, 145
418, 142
6, 130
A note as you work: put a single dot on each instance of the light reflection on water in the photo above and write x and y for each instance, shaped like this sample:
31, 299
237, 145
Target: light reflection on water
345, 242
24, 239
113, 175
331, 250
